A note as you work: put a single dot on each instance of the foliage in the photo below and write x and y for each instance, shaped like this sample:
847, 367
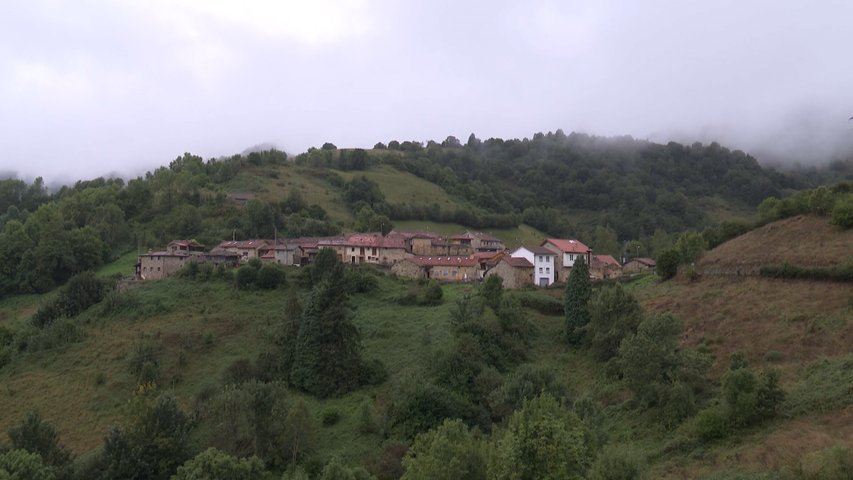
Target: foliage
327, 357
614, 314
667, 263
247, 276
238, 371
433, 294
578, 291
81, 292
825, 386
38, 436
425, 406
619, 462
24, 465
660, 375
524, 384
543, 440
492, 291
836, 273
213, 463
152, 446
270, 276
544, 304
690, 246
833, 463
842, 213
336, 470
448, 452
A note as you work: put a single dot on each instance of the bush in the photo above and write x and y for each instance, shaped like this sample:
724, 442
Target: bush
619, 463
81, 292
543, 304
433, 294
523, 384
427, 405
667, 264
331, 417
246, 277
269, 276
239, 371
145, 361
361, 281
373, 372
710, 424
842, 213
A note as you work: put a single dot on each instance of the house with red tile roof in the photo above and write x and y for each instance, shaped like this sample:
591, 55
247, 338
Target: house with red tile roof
568, 252
604, 267
544, 262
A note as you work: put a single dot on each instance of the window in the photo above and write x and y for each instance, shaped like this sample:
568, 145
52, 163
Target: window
540, 269
548, 270
540, 258
571, 256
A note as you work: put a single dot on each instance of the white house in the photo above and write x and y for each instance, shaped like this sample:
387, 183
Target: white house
544, 263
568, 251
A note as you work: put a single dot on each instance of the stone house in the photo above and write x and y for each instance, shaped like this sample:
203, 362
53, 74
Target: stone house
371, 248
567, 251
544, 263
637, 265
160, 264
444, 269
515, 272
184, 246
480, 242
430, 244
247, 249
604, 267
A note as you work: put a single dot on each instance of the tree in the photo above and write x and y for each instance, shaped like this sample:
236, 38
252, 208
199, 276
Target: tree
214, 464
152, 447
690, 246
327, 359
658, 372
667, 263
842, 213
544, 440
578, 291
433, 293
37, 436
614, 314
336, 470
24, 465
492, 291
605, 241
448, 452
270, 276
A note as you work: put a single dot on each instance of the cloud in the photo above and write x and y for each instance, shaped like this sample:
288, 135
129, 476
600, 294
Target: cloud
97, 86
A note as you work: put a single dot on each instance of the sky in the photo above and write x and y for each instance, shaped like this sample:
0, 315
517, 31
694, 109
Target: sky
99, 87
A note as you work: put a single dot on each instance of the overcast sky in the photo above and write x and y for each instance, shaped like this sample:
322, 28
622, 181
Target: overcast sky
91, 87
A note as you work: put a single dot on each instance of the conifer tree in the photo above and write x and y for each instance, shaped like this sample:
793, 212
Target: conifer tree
578, 291
327, 359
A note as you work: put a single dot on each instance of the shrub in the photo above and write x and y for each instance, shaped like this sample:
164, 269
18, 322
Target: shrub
543, 304
619, 463
449, 451
614, 314
246, 276
270, 276
523, 384
81, 292
37, 436
373, 372
213, 463
433, 294
239, 371
145, 361
842, 213
331, 417
366, 422
667, 263
710, 424
427, 405
834, 463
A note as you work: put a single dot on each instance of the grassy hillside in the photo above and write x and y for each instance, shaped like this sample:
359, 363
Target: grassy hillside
802, 328
807, 241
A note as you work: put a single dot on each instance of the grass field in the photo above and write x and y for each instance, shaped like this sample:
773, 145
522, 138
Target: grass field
125, 265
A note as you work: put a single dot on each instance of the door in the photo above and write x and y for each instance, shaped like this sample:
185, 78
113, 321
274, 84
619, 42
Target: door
543, 281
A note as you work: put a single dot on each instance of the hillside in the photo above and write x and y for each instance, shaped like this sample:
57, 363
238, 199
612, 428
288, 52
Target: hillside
802, 328
805, 241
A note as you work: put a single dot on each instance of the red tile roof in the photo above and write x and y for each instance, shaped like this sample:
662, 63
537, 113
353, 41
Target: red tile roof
605, 260
409, 234
444, 261
567, 246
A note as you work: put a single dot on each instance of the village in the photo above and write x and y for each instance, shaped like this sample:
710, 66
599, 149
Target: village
466, 257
